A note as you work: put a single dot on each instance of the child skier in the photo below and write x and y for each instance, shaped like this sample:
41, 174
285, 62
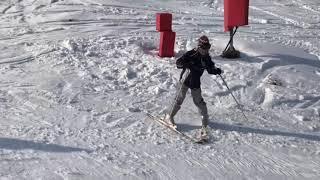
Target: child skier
193, 63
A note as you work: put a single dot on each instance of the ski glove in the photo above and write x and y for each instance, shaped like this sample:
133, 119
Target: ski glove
216, 71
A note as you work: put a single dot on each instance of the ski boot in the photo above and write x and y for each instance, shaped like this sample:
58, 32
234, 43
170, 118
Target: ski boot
170, 121
204, 133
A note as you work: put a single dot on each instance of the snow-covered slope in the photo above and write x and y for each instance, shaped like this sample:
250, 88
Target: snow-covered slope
77, 77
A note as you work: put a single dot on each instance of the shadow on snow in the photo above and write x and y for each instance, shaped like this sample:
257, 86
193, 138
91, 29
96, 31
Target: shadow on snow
246, 130
17, 144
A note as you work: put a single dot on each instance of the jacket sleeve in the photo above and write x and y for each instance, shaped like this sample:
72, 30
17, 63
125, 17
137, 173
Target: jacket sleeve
183, 61
211, 68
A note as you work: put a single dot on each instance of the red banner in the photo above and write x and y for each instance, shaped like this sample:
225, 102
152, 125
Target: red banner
235, 13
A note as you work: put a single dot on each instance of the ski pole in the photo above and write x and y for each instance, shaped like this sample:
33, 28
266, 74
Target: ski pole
225, 83
179, 90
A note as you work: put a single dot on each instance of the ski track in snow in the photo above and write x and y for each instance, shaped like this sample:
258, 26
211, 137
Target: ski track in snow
78, 75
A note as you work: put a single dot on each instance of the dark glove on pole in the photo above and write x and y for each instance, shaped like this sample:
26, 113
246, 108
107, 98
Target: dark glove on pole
218, 71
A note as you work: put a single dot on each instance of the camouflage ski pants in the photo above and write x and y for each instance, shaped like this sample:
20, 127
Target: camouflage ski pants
197, 100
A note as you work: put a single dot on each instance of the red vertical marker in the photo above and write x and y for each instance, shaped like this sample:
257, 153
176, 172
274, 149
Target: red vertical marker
167, 37
164, 22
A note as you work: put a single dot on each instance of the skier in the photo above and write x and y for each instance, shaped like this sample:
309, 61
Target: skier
193, 63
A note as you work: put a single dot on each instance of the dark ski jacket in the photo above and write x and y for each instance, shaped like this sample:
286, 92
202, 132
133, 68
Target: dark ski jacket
197, 63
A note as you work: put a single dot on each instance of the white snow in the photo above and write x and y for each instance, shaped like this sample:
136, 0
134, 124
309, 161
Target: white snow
77, 77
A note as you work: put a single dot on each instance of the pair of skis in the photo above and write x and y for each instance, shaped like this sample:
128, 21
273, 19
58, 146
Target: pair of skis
189, 138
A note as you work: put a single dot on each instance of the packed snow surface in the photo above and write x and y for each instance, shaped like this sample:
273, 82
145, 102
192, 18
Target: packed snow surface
78, 76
